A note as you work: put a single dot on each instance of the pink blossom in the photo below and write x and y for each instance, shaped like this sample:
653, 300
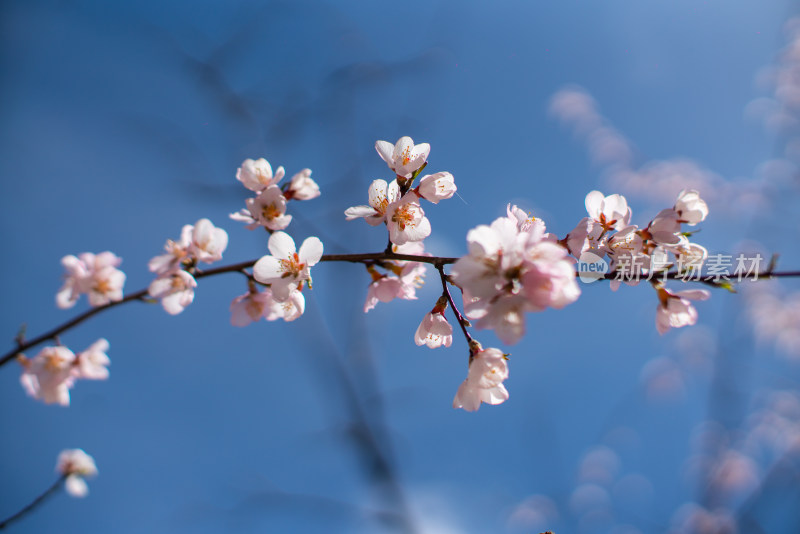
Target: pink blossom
289, 309
178, 254
381, 195
75, 464
208, 241
434, 331
691, 209
549, 278
92, 364
302, 187
256, 175
286, 268
94, 274
675, 310
406, 221
199, 242
610, 211
268, 209
250, 307
404, 157
402, 282
175, 290
49, 375
436, 187
487, 370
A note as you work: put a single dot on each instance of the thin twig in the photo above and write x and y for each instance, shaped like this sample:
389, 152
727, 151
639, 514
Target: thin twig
459, 317
37, 501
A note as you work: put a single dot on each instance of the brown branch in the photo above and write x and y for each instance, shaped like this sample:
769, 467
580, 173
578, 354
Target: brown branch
460, 318
438, 262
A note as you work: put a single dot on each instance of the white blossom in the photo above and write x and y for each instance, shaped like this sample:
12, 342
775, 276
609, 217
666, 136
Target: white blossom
487, 370
75, 465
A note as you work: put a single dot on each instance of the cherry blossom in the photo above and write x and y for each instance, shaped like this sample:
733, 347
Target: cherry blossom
404, 157
406, 221
268, 209
488, 369
381, 195
289, 309
588, 235
675, 310
286, 268
94, 274
691, 209
49, 375
302, 187
525, 221
208, 241
75, 465
201, 241
175, 290
53, 371
401, 282
92, 364
434, 330
256, 175
436, 187
250, 307
610, 211
177, 254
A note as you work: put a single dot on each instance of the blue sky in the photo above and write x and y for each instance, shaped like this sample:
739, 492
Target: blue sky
124, 121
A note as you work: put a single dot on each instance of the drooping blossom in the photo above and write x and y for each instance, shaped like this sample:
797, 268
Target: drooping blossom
96, 275
175, 290
434, 330
488, 369
402, 279
610, 211
675, 310
381, 194
49, 375
268, 209
289, 309
302, 187
436, 187
286, 268
691, 209
404, 157
256, 175
75, 465
250, 307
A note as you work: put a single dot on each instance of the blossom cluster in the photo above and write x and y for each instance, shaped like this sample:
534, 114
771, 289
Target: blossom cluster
268, 207
50, 374
174, 284
513, 266
286, 270
96, 275
637, 253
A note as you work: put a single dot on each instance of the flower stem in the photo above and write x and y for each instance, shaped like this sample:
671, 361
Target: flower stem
36, 502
